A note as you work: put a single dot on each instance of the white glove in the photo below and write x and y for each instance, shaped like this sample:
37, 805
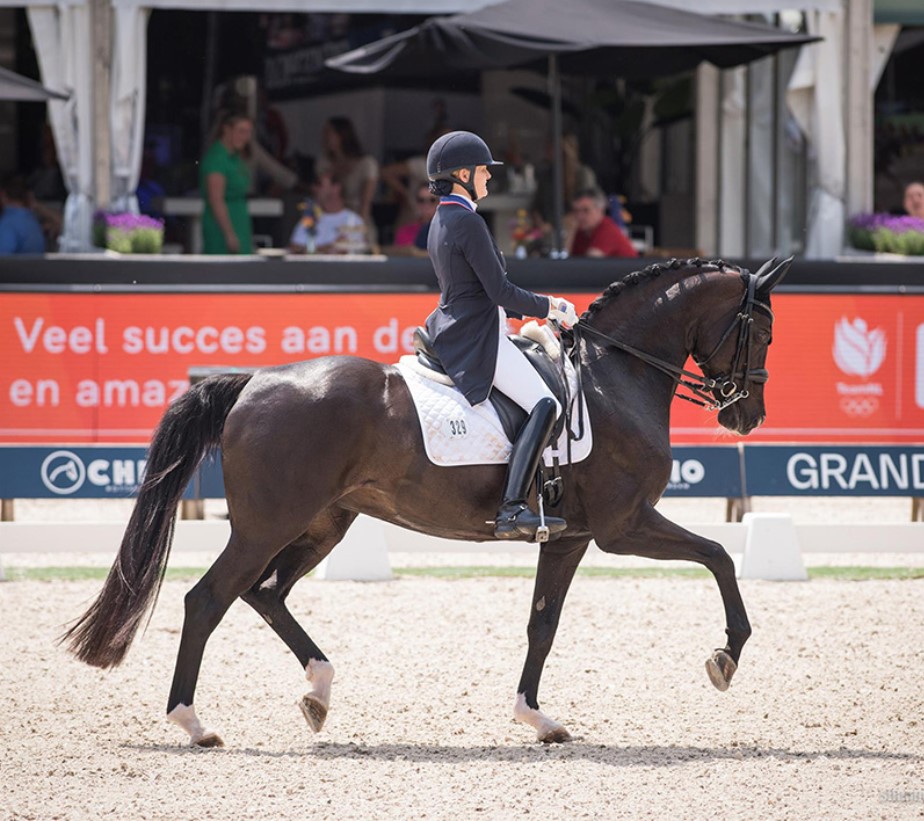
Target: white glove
562, 312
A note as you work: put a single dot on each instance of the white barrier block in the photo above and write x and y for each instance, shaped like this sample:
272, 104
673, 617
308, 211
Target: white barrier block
362, 556
771, 548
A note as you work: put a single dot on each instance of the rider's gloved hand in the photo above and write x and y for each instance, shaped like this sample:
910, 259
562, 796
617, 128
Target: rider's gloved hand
562, 312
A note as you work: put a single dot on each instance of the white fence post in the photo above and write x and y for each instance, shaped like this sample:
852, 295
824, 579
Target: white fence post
771, 548
362, 556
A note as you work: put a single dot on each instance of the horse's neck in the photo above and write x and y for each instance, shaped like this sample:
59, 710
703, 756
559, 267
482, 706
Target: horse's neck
658, 317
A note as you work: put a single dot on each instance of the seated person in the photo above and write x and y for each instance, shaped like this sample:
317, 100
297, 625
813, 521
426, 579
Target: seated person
20, 230
596, 234
414, 234
914, 199
357, 171
401, 180
338, 230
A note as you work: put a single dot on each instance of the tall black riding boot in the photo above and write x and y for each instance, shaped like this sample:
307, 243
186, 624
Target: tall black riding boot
514, 518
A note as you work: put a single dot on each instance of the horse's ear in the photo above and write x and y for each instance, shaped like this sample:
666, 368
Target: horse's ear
769, 277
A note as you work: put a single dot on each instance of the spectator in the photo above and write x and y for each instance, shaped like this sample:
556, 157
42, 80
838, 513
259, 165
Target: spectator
403, 178
224, 179
338, 229
20, 231
596, 234
414, 234
359, 172
914, 199
150, 193
265, 153
575, 177
271, 129
46, 182
268, 176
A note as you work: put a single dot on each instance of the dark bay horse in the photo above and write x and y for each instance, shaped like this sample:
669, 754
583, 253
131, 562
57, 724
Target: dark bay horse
306, 447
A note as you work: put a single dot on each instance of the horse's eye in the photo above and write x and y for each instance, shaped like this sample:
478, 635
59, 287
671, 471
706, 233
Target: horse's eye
763, 337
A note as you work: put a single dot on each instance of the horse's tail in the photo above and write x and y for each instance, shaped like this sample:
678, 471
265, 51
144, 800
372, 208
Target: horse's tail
190, 428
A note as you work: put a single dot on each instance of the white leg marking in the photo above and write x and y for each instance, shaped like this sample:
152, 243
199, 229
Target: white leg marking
320, 674
315, 702
547, 730
185, 716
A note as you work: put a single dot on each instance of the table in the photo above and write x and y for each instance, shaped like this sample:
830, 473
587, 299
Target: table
192, 208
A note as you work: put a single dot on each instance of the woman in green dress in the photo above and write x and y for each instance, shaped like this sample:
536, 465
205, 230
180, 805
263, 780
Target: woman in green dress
224, 179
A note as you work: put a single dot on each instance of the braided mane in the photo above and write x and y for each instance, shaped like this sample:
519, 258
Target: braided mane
653, 270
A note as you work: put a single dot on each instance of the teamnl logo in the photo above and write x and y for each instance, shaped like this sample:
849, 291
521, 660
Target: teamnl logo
859, 352
64, 473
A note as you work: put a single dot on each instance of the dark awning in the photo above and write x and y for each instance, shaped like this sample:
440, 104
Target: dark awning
589, 37
16, 87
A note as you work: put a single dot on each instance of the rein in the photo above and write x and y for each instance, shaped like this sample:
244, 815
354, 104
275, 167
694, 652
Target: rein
701, 386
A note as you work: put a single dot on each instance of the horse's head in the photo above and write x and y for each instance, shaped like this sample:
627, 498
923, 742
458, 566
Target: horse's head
731, 350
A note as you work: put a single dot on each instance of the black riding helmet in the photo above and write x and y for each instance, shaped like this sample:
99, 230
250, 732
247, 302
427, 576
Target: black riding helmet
452, 152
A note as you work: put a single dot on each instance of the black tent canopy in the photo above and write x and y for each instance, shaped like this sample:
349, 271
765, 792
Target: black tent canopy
21, 89
627, 38
623, 37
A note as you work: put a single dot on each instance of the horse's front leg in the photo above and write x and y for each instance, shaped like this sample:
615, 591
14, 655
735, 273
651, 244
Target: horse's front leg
557, 563
654, 537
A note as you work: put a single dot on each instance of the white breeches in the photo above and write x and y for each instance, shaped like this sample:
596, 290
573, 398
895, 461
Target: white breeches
515, 377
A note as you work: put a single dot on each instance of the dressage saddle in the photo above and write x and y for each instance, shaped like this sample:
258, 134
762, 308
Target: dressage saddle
512, 416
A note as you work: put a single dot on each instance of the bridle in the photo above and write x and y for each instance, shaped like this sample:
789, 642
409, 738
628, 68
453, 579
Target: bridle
702, 386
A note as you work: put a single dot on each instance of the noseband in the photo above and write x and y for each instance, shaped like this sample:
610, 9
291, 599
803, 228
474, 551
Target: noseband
702, 386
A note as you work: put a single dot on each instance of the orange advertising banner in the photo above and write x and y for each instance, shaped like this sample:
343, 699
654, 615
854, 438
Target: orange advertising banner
85, 368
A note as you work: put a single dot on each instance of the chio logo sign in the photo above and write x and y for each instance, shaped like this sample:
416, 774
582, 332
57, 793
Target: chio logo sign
63, 472
689, 472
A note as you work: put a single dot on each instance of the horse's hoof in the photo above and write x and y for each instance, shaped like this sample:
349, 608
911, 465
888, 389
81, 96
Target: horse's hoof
556, 735
209, 740
314, 711
720, 668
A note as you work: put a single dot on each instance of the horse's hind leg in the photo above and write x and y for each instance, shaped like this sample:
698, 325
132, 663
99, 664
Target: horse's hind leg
557, 563
655, 537
268, 597
236, 569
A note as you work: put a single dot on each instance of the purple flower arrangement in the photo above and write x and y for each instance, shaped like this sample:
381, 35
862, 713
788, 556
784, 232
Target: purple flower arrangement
128, 233
887, 233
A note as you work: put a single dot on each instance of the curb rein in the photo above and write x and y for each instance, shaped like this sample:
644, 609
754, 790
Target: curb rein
698, 385
701, 386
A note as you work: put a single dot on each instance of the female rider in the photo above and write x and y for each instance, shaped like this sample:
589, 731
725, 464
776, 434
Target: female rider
468, 328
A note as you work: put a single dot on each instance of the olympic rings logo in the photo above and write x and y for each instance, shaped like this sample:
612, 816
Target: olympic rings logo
859, 405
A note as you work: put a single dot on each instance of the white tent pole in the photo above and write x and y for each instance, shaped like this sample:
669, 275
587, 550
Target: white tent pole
719, 165
62, 36
859, 106
775, 158
101, 28
748, 152
708, 132
558, 182
127, 103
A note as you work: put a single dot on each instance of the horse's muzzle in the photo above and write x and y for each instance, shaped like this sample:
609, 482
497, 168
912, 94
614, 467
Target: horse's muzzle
740, 419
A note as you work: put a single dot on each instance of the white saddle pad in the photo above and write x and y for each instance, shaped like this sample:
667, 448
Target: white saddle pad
457, 433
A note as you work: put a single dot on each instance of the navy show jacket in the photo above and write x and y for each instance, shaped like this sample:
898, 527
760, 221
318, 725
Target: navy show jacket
473, 282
